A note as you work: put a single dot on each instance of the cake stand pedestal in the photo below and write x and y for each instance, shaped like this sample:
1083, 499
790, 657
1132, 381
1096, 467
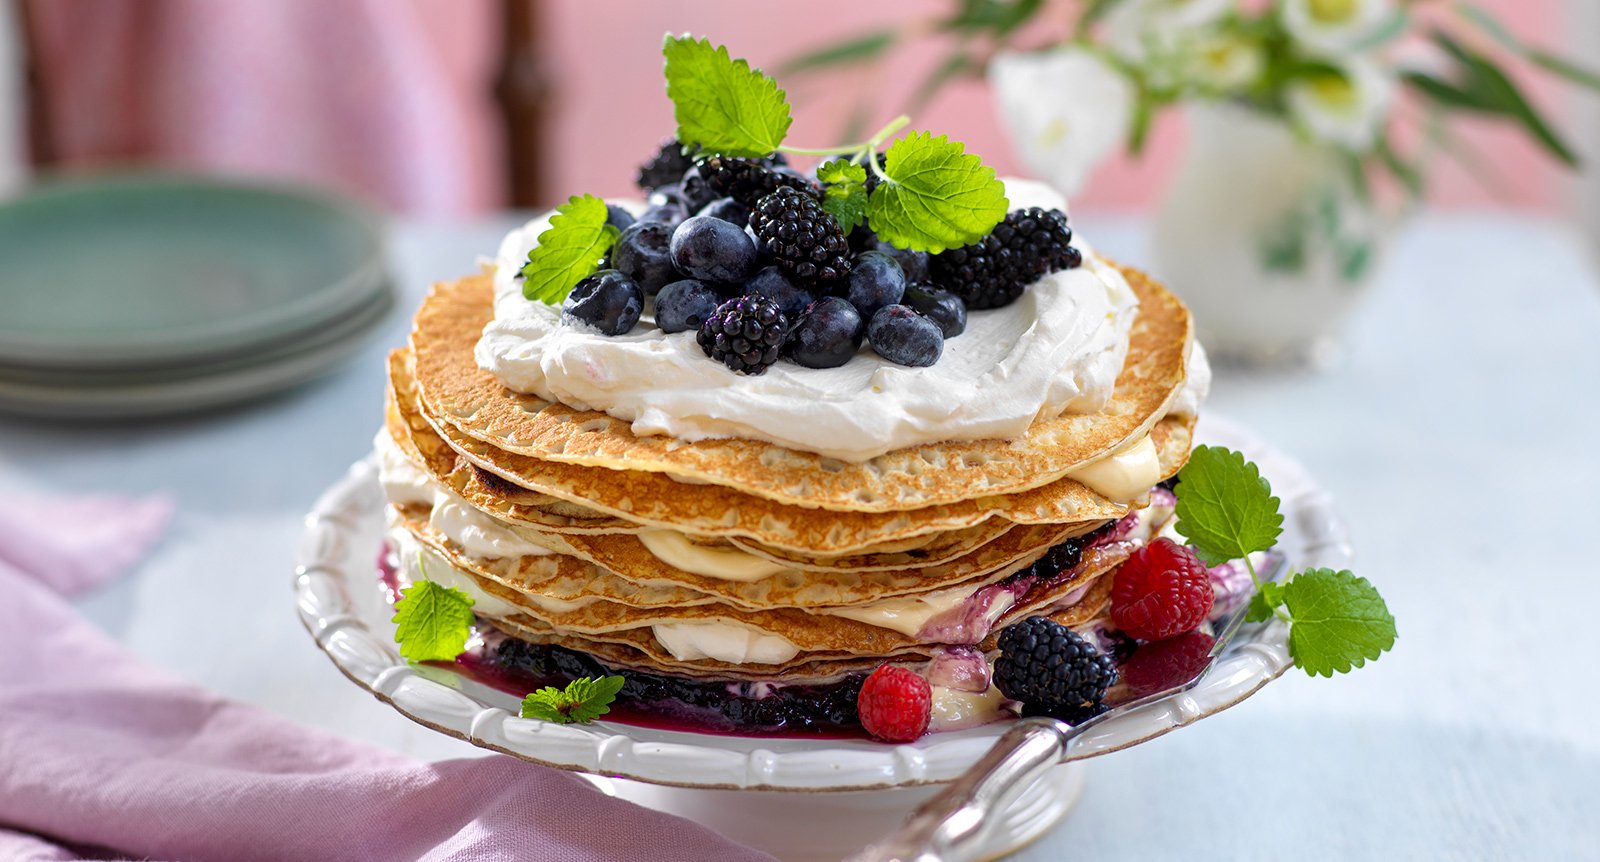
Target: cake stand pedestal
830, 825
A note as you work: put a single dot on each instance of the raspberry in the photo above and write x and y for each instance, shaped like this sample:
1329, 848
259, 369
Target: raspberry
1160, 591
749, 180
803, 238
745, 333
1052, 669
1161, 665
665, 167
994, 271
895, 704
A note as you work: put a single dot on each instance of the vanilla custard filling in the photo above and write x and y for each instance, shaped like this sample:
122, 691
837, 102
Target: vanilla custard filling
958, 710
406, 484
720, 641
908, 615
729, 564
1059, 348
1125, 475
419, 562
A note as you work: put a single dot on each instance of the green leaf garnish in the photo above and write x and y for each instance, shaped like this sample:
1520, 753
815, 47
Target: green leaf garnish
845, 193
1225, 508
583, 701
1337, 621
721, 104
1265, 600
936, 195
569, 250
433, 622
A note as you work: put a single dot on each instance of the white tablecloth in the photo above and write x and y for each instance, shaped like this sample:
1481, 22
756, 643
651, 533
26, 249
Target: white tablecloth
1458, 437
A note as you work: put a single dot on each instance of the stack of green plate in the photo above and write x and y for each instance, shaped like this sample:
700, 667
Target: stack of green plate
144, 295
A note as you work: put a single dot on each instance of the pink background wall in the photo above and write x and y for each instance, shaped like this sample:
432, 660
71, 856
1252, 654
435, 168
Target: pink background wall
609, 107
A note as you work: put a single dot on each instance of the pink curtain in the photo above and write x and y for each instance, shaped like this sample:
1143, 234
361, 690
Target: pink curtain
390, 100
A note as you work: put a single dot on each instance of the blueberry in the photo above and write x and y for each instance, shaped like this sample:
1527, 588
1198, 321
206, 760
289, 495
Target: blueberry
915, 263
904, 337
641, 253
940, 306
618, 217
771, 283
828, 334
667, 214
710, 249
684, 305
727, 209
608, 301
876, 281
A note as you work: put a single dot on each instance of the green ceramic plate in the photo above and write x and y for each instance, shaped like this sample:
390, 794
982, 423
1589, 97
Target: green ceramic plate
152, 270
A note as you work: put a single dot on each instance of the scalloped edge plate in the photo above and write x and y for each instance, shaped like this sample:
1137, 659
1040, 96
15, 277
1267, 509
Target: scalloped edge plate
339, 602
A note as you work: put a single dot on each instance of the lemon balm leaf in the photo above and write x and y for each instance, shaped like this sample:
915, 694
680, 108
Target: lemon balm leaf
432, 622
569, 250
1225, 507
1337, 621
844, 195
937, 195
720, 103
582, 701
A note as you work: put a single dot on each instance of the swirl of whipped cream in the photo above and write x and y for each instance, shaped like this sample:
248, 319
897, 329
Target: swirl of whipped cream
1059, 348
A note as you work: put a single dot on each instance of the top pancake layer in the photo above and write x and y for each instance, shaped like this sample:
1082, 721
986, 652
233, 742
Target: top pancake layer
474, 402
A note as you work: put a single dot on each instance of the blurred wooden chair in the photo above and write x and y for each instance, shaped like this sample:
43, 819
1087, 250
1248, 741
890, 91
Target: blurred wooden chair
523, 91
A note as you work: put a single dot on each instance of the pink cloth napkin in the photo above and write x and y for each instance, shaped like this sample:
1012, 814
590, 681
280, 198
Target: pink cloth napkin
98, 750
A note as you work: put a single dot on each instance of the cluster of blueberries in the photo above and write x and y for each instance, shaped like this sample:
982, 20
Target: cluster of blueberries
697, 268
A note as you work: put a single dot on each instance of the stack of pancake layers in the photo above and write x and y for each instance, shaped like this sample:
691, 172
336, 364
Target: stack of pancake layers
743, 561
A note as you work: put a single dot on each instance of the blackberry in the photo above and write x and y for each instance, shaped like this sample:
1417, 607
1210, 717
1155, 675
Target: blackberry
666, 167
1052, 669
749, 180
745, 333
803, 238
994, 271
695, 191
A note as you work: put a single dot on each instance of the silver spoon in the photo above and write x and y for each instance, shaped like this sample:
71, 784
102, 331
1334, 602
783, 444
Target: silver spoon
950, 827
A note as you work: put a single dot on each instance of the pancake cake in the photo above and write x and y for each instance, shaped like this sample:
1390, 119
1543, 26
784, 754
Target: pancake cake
857, 448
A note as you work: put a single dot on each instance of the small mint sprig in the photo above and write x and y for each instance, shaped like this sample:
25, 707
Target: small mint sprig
432, 622
932, 195
1337, 621
583, 700
569, 250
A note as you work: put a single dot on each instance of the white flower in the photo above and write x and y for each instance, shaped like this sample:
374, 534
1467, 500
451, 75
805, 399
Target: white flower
1065, 110
1347, 108
1334, 27
1143, 31
1225, 63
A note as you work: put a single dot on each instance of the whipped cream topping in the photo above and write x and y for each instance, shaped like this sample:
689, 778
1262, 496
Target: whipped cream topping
1057, 349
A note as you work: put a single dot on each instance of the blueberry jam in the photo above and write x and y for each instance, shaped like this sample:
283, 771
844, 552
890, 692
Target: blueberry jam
674, 703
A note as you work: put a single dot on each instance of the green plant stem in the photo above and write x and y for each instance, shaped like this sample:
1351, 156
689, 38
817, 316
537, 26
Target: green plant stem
1256, 579
873, 143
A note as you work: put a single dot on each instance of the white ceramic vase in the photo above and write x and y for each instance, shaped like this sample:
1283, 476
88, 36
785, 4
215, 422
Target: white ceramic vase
1262, 235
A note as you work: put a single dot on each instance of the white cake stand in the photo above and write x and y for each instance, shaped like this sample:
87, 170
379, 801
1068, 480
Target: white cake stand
768, 793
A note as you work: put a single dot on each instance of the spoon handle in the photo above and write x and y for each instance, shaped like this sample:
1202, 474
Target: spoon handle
949, 827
